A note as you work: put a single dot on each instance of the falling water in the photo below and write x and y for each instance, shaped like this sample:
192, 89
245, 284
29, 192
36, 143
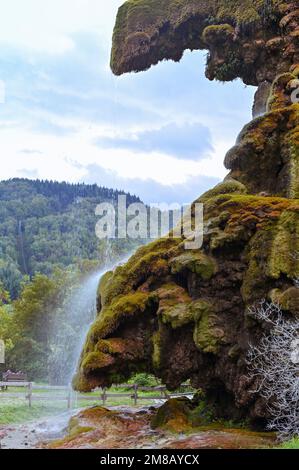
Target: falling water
84, 308
74, 319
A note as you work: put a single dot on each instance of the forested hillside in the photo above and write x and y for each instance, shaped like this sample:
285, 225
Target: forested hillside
46, 225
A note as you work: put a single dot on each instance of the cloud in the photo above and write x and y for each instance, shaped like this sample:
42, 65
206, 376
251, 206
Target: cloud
163, 133
46, 27
186, 141
31, 152
149, 190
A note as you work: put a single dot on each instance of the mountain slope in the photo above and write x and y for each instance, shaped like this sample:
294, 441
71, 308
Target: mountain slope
46, 224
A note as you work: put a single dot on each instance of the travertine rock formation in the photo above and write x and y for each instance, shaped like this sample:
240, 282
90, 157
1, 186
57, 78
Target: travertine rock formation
252, 39
184, 314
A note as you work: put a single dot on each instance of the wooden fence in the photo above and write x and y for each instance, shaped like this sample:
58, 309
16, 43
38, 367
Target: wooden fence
62, 393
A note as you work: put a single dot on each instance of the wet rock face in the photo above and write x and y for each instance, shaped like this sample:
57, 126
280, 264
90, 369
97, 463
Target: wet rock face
184, 314
253, 40
261, 99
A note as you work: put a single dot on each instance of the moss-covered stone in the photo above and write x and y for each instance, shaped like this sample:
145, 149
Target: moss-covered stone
157, 344
173, 415
229, 186
217, 34
284, 244
265, 158
172, 324
122, 309
281, 90
103, 286
195, 262
174, 304
179, 415
96, 360
149, 259
206, 333
289, 300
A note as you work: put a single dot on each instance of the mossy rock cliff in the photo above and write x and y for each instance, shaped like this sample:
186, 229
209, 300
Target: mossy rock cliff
183, 314
192, 323
251, 39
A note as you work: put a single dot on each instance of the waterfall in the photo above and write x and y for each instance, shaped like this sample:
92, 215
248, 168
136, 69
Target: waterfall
73, 321
84, 304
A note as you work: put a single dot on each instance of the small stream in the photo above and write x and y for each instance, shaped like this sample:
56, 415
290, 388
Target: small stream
27, 436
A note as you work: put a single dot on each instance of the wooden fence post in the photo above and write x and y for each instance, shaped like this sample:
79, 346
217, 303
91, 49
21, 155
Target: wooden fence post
30, 394
69, 399
104, 396
135, 396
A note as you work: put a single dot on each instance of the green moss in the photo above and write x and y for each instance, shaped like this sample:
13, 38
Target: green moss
289, 300
201, 415
177, 315
122, 308
232, 220
96, 360
255, 276
263, 229
75, 429
206, 335
103, 286
139, 23
230, 186
217, 33
147, 259
285, 243
269, 254
195, 262
294, 164
278, 97
177, 309
179, 415
75, 433
173, 415
229, 69
81, 383
157, 346
267, 153
295, 70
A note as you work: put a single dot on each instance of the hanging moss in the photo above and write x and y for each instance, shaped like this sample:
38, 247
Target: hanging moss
147, 31
215, 34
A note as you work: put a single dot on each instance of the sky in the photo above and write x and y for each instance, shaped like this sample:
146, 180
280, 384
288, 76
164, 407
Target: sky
160, 134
